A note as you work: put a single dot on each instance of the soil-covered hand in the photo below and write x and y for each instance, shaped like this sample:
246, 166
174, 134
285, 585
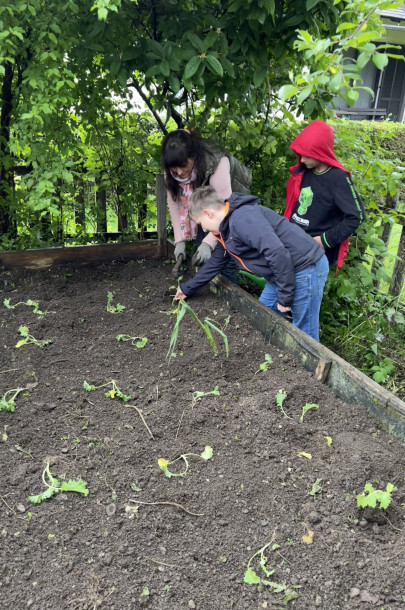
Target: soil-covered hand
202, 254
282, 308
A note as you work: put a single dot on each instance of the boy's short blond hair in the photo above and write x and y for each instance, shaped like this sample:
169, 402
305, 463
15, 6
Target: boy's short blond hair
201, 198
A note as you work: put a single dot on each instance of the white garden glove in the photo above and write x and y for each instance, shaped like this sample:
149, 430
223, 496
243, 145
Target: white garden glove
202, 254
180, 248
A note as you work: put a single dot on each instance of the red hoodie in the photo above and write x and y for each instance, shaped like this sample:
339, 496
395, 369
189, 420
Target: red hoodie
317, 142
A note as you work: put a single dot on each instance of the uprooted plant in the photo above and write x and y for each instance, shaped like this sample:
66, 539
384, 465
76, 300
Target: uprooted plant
251, 578
118, 308
27, 338
370, 496
206, 326
29, 303
8, 404
164, 464
53, 486
138, 342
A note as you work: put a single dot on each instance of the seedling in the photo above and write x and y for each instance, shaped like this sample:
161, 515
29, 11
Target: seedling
316, 488
375, 495
114, 392
24, 332
307, 407
4, 436
280, 398
138, 342
265, 365
164, 464
29, 303
113, 308
251, 578
8, 404
328, 440
54, 487
206, 326
198, 395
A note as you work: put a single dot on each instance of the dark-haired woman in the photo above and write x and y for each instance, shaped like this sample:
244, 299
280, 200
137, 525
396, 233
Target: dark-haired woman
189, 162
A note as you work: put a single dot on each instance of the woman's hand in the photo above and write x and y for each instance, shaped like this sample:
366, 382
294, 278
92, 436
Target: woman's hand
179, 295
282, 308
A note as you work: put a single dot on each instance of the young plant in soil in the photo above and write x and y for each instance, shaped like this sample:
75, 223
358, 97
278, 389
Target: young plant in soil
198, 395
54, 487
206, 326
138, 342
373, 496
29, 303
113, 308
307, 407
265, 365
8, 404
164, 464
115, 392
112, 393
280, 398
27, 338
251, 578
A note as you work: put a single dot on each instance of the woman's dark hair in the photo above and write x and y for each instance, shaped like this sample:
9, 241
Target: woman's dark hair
177, 147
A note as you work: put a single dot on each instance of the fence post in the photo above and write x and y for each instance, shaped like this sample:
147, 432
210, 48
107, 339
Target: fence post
161, 198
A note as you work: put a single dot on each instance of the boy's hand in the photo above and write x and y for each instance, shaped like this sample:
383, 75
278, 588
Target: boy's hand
318, 240
282, 308
179, 295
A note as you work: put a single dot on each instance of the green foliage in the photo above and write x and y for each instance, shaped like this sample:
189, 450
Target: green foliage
54, 486
27, 338
371, 496
198, 395
206, 326
307, 407
316, 488
164, 464
252, 578
112, 393
138, 342
29, 303
268, 360
280, 398
114, 308
8, 404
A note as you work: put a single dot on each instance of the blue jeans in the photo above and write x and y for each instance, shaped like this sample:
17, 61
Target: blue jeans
305, 308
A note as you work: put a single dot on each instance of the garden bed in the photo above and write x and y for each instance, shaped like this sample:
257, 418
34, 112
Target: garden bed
272, 478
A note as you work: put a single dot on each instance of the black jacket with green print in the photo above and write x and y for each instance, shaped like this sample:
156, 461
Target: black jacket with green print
261, 241
328, 206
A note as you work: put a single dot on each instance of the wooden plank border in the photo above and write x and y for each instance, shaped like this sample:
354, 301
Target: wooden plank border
345, 380
79, 255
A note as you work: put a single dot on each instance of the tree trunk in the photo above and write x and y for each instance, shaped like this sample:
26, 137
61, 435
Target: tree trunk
6, 172
101, 203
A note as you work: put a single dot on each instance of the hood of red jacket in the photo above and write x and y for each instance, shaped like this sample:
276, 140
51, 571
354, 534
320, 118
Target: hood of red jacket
316, 140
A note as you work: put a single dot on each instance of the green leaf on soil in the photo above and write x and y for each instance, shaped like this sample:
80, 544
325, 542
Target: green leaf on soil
251, 578
207, 453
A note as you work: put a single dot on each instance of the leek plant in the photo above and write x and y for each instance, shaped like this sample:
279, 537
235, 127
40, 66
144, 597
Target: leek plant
206, 326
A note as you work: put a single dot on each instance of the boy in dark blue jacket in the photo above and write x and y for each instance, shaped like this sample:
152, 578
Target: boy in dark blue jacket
265, 243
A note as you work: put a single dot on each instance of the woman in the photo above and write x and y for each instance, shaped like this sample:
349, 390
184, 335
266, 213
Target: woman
189, 162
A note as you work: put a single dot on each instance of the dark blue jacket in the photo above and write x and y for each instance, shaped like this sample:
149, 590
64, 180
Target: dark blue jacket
261, 241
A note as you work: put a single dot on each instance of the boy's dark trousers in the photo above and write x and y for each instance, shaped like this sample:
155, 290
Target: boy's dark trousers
231, 270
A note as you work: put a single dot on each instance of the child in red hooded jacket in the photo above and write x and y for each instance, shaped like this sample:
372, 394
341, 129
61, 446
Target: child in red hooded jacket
321, 198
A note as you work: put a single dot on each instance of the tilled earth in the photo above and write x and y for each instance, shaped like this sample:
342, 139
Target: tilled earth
141, 539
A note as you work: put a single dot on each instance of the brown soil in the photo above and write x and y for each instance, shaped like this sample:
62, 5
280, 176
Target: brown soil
107, 551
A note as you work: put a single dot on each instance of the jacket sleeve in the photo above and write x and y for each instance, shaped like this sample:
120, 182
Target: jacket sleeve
207, 272
257, 232
174, 209
350, 204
